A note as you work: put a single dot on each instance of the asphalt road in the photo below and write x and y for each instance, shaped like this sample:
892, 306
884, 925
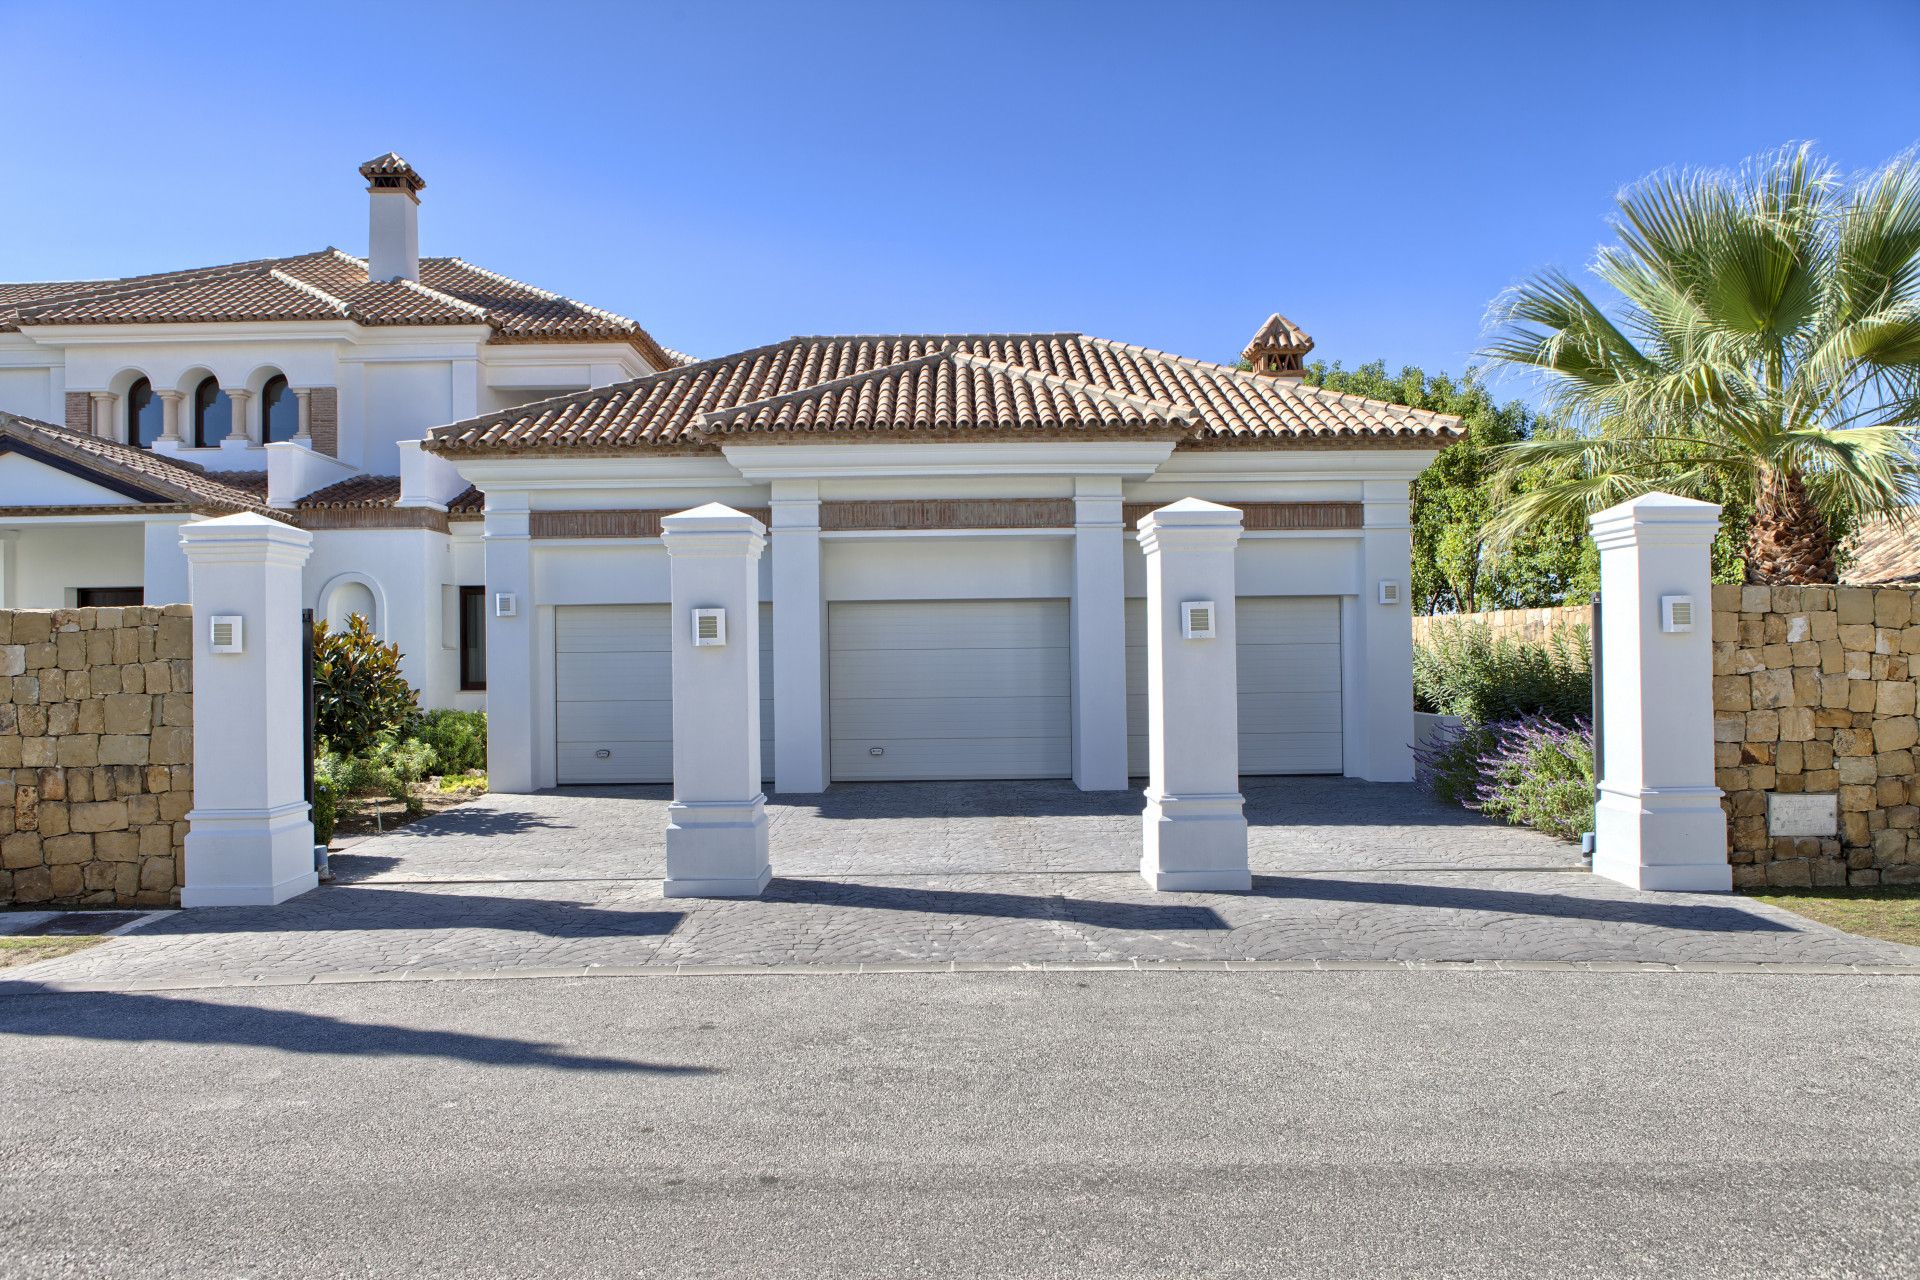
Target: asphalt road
969, 1125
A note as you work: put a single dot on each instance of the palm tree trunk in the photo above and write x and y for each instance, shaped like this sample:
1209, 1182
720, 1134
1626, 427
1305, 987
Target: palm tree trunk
1789, 541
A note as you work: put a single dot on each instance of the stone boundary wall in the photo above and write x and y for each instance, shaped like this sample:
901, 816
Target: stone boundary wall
1519, 624
96, 754
1814, 693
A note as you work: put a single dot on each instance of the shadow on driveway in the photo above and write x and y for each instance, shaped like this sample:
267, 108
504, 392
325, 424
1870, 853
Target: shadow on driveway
1705, 917
1140, 916
135, 1018
361, 907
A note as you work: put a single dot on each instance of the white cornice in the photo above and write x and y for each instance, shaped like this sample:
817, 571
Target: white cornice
1129, 459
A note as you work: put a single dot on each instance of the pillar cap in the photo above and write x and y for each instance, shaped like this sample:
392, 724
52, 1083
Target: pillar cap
245, 538
1655, 518
1194, 513
714, 517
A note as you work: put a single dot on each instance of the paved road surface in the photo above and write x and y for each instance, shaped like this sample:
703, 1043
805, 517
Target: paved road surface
1097, 1124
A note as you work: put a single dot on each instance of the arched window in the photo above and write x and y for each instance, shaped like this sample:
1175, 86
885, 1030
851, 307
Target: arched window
145, 415
212, 414
279, 411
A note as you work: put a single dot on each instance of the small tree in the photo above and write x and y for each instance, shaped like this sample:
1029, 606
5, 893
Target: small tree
360, 695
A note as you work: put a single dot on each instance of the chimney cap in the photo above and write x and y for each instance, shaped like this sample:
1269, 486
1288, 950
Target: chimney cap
1279, 334
392, 173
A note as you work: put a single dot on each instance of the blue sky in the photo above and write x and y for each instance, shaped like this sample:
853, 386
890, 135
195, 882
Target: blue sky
729, 174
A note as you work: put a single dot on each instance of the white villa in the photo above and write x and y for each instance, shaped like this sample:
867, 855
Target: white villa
950, 588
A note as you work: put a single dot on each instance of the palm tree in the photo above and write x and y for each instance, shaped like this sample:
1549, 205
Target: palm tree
1765, 353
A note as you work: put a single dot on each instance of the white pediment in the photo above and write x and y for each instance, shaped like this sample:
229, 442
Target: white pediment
27, 482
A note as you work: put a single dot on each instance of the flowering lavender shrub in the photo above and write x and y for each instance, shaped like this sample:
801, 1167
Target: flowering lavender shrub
1532, 771
1539, 773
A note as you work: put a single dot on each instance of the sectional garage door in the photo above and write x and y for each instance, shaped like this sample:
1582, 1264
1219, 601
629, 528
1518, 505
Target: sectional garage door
950, 689
1289, 675
613, 702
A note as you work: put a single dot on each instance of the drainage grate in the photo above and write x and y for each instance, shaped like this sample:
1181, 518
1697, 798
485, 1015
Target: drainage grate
80, 924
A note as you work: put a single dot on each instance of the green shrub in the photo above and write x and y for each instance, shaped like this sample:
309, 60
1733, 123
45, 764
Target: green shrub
1450, 766
326, 799
1539, 774
360, 696
458, 740
389, 768
1463, 670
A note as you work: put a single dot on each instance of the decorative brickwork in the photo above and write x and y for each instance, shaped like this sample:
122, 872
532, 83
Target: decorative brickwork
96, 754
79, 412
1814, 693
323, 420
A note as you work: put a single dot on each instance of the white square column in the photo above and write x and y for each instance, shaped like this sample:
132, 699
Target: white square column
1194, 831
1658, 823
799, 641
250, 836
1099, 637
717, 823
1383, 747
507, 546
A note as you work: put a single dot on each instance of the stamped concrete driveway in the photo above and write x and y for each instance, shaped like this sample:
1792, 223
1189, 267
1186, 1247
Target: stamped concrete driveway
1296, 825
982, 874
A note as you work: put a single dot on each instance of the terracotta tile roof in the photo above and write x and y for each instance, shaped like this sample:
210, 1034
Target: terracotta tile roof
328, 285
817, 384
178, 482
1884, 551
471, 502
360, 491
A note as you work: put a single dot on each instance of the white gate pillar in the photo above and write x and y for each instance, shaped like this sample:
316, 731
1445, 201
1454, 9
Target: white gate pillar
1194, 830
799, 641
249, 836
1658, 823
1099, 636
717, 823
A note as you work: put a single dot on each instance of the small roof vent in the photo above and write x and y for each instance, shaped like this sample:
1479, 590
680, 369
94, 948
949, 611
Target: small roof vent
392, 173
1279, 349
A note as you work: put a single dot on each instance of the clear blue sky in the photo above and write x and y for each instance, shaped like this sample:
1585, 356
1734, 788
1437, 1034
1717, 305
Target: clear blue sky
731, 173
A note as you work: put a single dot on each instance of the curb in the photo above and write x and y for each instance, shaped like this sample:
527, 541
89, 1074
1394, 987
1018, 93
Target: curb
18, 987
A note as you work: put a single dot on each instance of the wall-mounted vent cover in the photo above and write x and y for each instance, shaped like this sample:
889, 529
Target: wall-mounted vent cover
1389, 591
505, 604
709, 627
1196, 619
226, 634
1676, 613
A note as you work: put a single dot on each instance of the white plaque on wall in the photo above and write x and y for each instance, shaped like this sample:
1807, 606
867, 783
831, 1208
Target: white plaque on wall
1802, 815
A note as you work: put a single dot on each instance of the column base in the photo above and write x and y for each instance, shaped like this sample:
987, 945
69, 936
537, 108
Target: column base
248, 858
1195, 844
1672, 840
717, 849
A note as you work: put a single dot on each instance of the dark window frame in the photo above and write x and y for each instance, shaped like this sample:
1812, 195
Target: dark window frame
201, 404
473, 639
278, 382
95, 597
136, 406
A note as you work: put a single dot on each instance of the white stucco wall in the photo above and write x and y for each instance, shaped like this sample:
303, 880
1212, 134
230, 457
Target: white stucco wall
42, 565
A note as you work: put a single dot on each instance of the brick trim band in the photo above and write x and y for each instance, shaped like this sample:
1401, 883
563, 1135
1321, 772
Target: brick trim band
1262, 517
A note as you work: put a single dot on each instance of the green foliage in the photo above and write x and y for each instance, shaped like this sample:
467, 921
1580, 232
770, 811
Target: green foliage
1763, 353
1450, 768
1540, 774
457, 739
326, 799
1453, 571
360, 695
390, 768
1463, 670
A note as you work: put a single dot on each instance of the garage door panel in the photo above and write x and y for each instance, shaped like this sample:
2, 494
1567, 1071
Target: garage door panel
957, 717
936, 759
613, 682
959, 673
950, 689
1289, 670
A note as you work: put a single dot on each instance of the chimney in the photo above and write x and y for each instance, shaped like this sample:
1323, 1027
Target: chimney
1279, 349
393, 223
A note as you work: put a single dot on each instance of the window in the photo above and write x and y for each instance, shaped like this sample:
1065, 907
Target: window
212, 414
279, 411
473, 637
146, 416
107, 597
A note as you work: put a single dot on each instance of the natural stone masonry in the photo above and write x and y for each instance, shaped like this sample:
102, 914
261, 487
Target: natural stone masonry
1814, 693
1530, 626
96, 754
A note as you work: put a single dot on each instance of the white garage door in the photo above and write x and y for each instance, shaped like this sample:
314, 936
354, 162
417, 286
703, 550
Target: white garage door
950, 689
613, 702
1289, 673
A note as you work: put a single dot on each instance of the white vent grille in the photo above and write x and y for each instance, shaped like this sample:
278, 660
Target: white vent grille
1676, 613
1389, 591
1196, 619
226, 634
505, 604
709, 627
